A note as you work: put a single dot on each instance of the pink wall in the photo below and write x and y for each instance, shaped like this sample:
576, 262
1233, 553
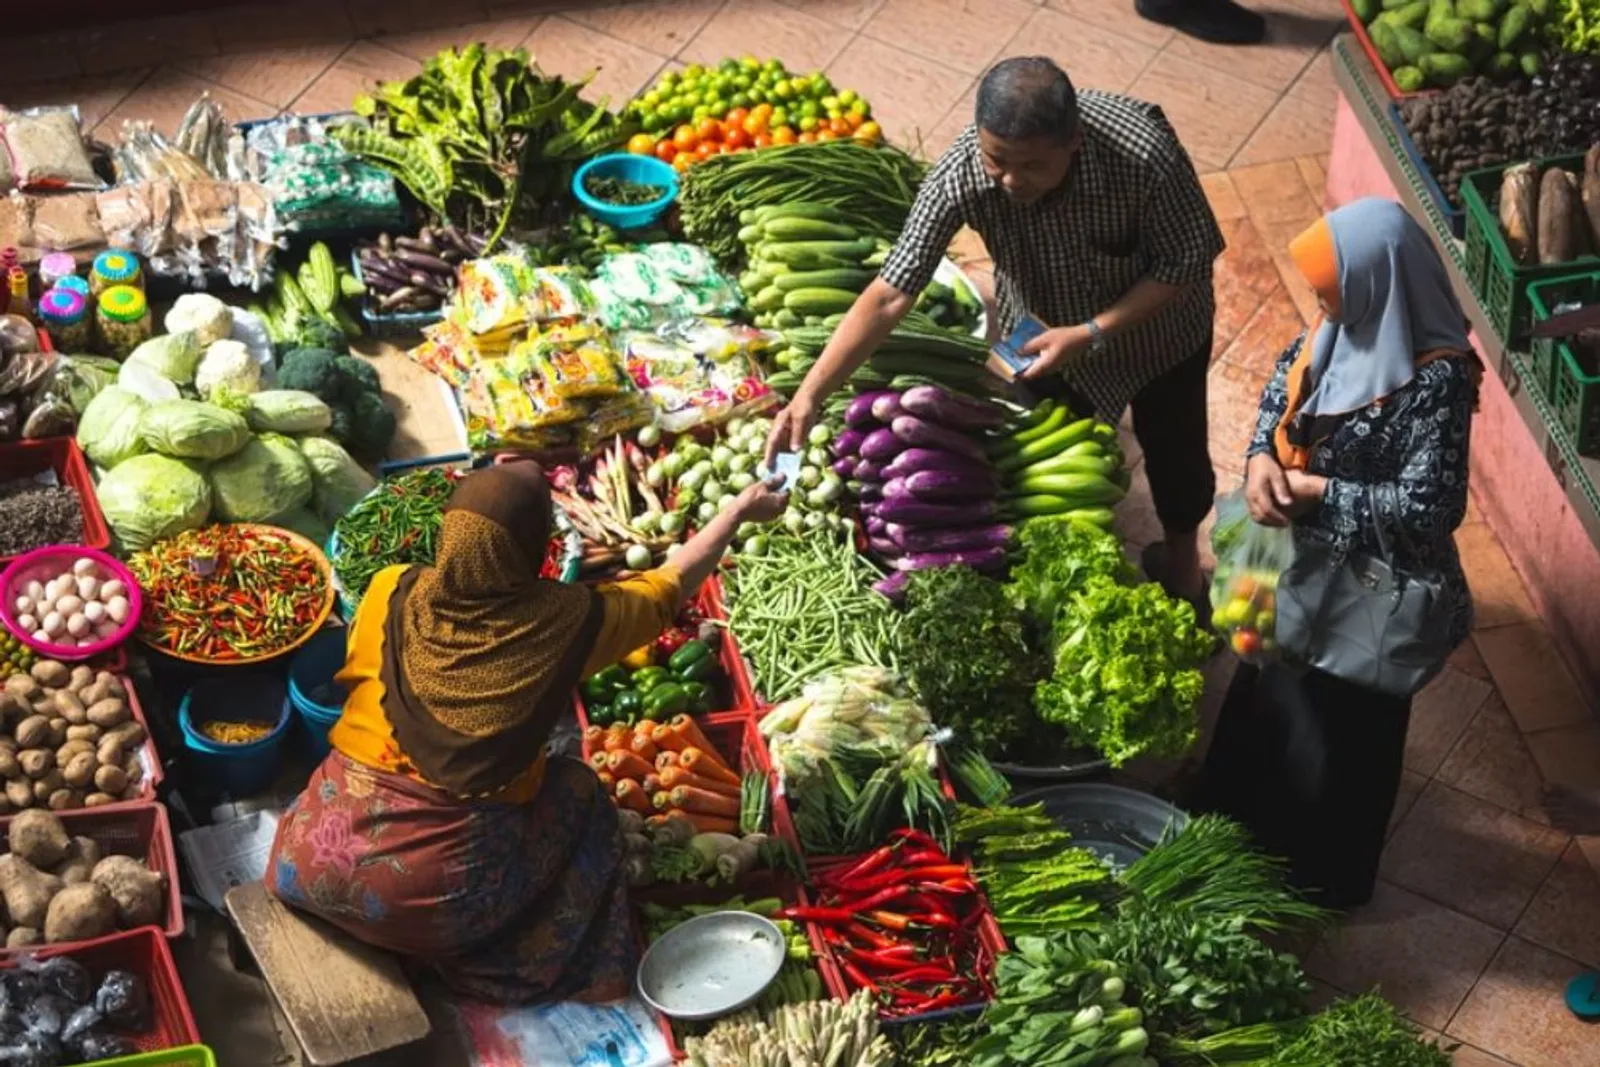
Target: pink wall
1514, 485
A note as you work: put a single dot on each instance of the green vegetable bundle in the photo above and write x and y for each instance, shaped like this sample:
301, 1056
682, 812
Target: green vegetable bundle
1366, 1030
1037, 882
481, 137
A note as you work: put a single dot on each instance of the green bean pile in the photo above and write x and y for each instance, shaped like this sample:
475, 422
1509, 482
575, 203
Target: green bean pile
805, 607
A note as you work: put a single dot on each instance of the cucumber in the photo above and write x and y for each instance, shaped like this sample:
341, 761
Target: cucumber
769, 299
821, 253
818, 301
821, 212
841, 278
749, 235
800, 229
784, 319
320, 259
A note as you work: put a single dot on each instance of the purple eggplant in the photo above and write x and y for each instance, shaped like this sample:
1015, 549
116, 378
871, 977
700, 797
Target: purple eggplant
858, 415
869, 495
868, 471
883, 546
947, 485
921, 433
886, 407
894, 487
844, 467
918, 539
982, 559
913, 460
910, 511
946, 409
876, 527
893, 587
881, 445
848, 443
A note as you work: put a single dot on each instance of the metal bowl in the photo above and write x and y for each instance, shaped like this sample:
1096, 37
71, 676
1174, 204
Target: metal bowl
711, 965
1117, 824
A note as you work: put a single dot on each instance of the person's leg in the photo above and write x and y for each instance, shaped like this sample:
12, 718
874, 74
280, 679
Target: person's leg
1169, 419
1217, 21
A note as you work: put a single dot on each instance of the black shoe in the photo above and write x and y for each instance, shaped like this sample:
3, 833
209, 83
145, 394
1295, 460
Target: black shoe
1216, 21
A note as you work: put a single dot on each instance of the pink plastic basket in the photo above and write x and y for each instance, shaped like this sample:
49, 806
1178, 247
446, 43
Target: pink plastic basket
42, 564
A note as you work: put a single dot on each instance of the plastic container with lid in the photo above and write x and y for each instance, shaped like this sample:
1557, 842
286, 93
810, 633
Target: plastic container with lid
122, 319
54, 267
115, 267
66, 315
77, 284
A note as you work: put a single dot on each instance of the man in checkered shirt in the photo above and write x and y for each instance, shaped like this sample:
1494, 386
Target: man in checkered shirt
1099, 228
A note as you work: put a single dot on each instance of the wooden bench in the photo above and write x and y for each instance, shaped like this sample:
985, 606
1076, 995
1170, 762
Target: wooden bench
344, 1000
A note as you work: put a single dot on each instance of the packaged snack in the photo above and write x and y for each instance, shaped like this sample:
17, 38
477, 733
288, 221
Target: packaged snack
557, 293
45, 150
683, 263
719, 340
621, 414
577, 360
490, 294
675, 382
449, 350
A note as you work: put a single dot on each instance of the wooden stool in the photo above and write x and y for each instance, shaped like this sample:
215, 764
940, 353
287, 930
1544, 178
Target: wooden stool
343, 999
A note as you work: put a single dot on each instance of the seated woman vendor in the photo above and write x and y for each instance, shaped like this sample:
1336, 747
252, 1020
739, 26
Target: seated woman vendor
437, 828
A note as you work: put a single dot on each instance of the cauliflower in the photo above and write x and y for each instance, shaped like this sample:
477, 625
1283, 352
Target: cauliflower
227, 365
203, 313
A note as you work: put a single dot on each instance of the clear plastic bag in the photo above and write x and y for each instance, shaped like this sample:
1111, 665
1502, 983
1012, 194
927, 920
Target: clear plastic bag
1244, 589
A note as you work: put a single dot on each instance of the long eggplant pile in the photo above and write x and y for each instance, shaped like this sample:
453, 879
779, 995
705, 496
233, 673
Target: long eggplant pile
414, 273
1053, 463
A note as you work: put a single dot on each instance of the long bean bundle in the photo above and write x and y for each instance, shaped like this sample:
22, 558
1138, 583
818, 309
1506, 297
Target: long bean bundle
805, 607
871, 187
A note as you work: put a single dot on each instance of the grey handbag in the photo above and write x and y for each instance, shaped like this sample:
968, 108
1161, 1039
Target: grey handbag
1361, 618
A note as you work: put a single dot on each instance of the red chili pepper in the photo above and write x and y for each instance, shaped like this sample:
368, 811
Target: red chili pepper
926, 973
897, 957
889, 919
858, 976
871, 936
951, 999
870, 863
882, 896
909, 834
825, 916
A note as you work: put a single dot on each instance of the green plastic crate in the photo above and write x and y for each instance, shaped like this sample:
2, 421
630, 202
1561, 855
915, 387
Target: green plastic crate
187, 1056
1499, 280
1545, 297
1574, 388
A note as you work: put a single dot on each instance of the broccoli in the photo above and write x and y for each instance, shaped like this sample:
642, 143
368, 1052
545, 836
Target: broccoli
356, 376
372, 426
339, 428
312, 331
314, 370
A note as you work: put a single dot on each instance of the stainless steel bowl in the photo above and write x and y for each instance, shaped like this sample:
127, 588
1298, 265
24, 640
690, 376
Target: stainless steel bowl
711, 965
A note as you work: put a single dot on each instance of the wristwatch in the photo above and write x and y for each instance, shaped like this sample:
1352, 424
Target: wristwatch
1097, 338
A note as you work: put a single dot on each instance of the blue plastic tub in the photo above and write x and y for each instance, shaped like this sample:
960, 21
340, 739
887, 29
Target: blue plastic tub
236, 770
647, 170
312, 691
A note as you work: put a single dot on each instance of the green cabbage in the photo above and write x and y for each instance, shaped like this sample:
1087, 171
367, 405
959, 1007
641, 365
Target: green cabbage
191, 429
174, 356
108, 429
265, 479
151, 497
337, 480
287, 411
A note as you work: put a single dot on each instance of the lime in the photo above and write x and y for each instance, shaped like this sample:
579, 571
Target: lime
749, 62
830, 102
800, 84
773, 65
651, 99
728, 65
780, 117
701, 112
848, 97
740, 100
667, 80
808, 122
693, 70
859, 107
756, 96
809, 109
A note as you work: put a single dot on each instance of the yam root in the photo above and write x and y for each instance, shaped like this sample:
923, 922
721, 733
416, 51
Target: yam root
40, 839
1519, 211
23, 937
1563, 233
80, 912
1590, 194
135, 889
80, 861
27, 890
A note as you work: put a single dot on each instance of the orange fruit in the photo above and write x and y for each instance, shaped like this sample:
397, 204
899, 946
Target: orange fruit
709, 130
666, 150
841, 127
706, 150
809, 137
736, 117
641, 144
685, 138
783, 135
870, 131
824, 135
737, 138
762, 140
681, 161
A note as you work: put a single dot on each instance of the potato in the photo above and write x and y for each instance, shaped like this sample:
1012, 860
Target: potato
43, 787
9, 743
11, 707
9, 767
33, 731
95, 693
96, 800
37, 762
80, 912
82, 677
69, 707
19, 793
80, 770
50, 674
108, 713
131, 734
133, 767
111, 779
112, 683
71, 748
64, 799
58, 732
110, 751
136, 889
86, 732
23, 936
27, 889
23, 688
81, 858
40, 839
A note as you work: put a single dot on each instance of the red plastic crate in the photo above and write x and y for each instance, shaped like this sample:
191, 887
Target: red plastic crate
143, 952
24, 459
140, 830
1359, 29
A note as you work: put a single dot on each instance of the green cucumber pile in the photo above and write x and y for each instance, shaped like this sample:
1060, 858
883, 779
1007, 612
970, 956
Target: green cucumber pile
1052, 463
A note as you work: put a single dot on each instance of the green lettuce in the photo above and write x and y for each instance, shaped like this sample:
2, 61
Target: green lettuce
1060, 558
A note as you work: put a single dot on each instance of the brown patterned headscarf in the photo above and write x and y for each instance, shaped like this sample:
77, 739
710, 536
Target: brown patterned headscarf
481, 653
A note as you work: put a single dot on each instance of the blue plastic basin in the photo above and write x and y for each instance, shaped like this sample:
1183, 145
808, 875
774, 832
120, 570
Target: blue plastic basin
236, 770
646, 170
312, 691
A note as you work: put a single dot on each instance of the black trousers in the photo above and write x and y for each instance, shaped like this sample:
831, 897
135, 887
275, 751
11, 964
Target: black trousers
1169, 419
1311, 764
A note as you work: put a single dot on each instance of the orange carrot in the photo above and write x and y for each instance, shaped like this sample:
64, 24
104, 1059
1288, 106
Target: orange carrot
652, 821
597, 760
593, 738
668, 739
685, 727
641, 745
606, 780
706, 766
675, 776
711, 824
704, 801
625, 764
631, 795
666, 758
660, 800
615, 741
652, 784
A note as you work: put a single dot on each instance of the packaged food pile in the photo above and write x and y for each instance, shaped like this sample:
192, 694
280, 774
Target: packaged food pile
314, 183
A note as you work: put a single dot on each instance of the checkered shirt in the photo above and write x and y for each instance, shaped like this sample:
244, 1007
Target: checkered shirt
1131, 208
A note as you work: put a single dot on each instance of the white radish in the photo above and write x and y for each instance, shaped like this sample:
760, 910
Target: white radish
117, 609
77, 625
111, 590
69, 605
94, 611
83, 566
53, 623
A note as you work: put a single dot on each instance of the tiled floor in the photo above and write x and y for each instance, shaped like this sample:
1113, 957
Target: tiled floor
1484, 910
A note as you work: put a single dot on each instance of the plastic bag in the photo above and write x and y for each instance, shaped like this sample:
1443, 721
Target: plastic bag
577, 361
45, 145
1244, 589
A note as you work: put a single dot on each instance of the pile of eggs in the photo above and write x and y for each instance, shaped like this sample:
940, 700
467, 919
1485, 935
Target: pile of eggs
76, 608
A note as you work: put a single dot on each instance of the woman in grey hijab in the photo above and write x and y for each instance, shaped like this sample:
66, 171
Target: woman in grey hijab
1361, 441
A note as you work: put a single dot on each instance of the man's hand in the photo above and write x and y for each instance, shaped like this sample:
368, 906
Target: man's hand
761, 501
1055, 349
790, 427
1266, 491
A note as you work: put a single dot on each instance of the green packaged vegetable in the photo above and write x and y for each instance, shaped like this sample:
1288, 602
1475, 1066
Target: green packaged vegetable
1531, 62
287, 411
192, 429
174, 356
1387, 43
337, 480
151, 497
1444, 69
1479, 10
1413, 45
1450, 34
1513, 26
1413, 15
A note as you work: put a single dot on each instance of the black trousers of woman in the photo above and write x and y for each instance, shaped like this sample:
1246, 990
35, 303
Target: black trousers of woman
1311, 765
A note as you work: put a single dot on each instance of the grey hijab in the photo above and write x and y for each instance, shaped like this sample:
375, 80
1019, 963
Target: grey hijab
1395, 303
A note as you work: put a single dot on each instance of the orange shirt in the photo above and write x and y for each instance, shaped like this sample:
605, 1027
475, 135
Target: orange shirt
634, 611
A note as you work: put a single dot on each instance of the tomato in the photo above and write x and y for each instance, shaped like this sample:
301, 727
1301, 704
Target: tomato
854, 121
1246, 642
709, 130
684, 137
666, 151
641, 144
706, 150
840, 127
809, 137
763, 140
827, 135
681, 161
783, 135
735, 118
737, 138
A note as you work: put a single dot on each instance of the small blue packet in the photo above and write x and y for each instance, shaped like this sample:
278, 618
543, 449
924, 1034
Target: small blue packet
1007, 358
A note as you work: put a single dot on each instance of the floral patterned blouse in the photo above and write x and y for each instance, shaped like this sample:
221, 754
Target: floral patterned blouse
1401, 463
